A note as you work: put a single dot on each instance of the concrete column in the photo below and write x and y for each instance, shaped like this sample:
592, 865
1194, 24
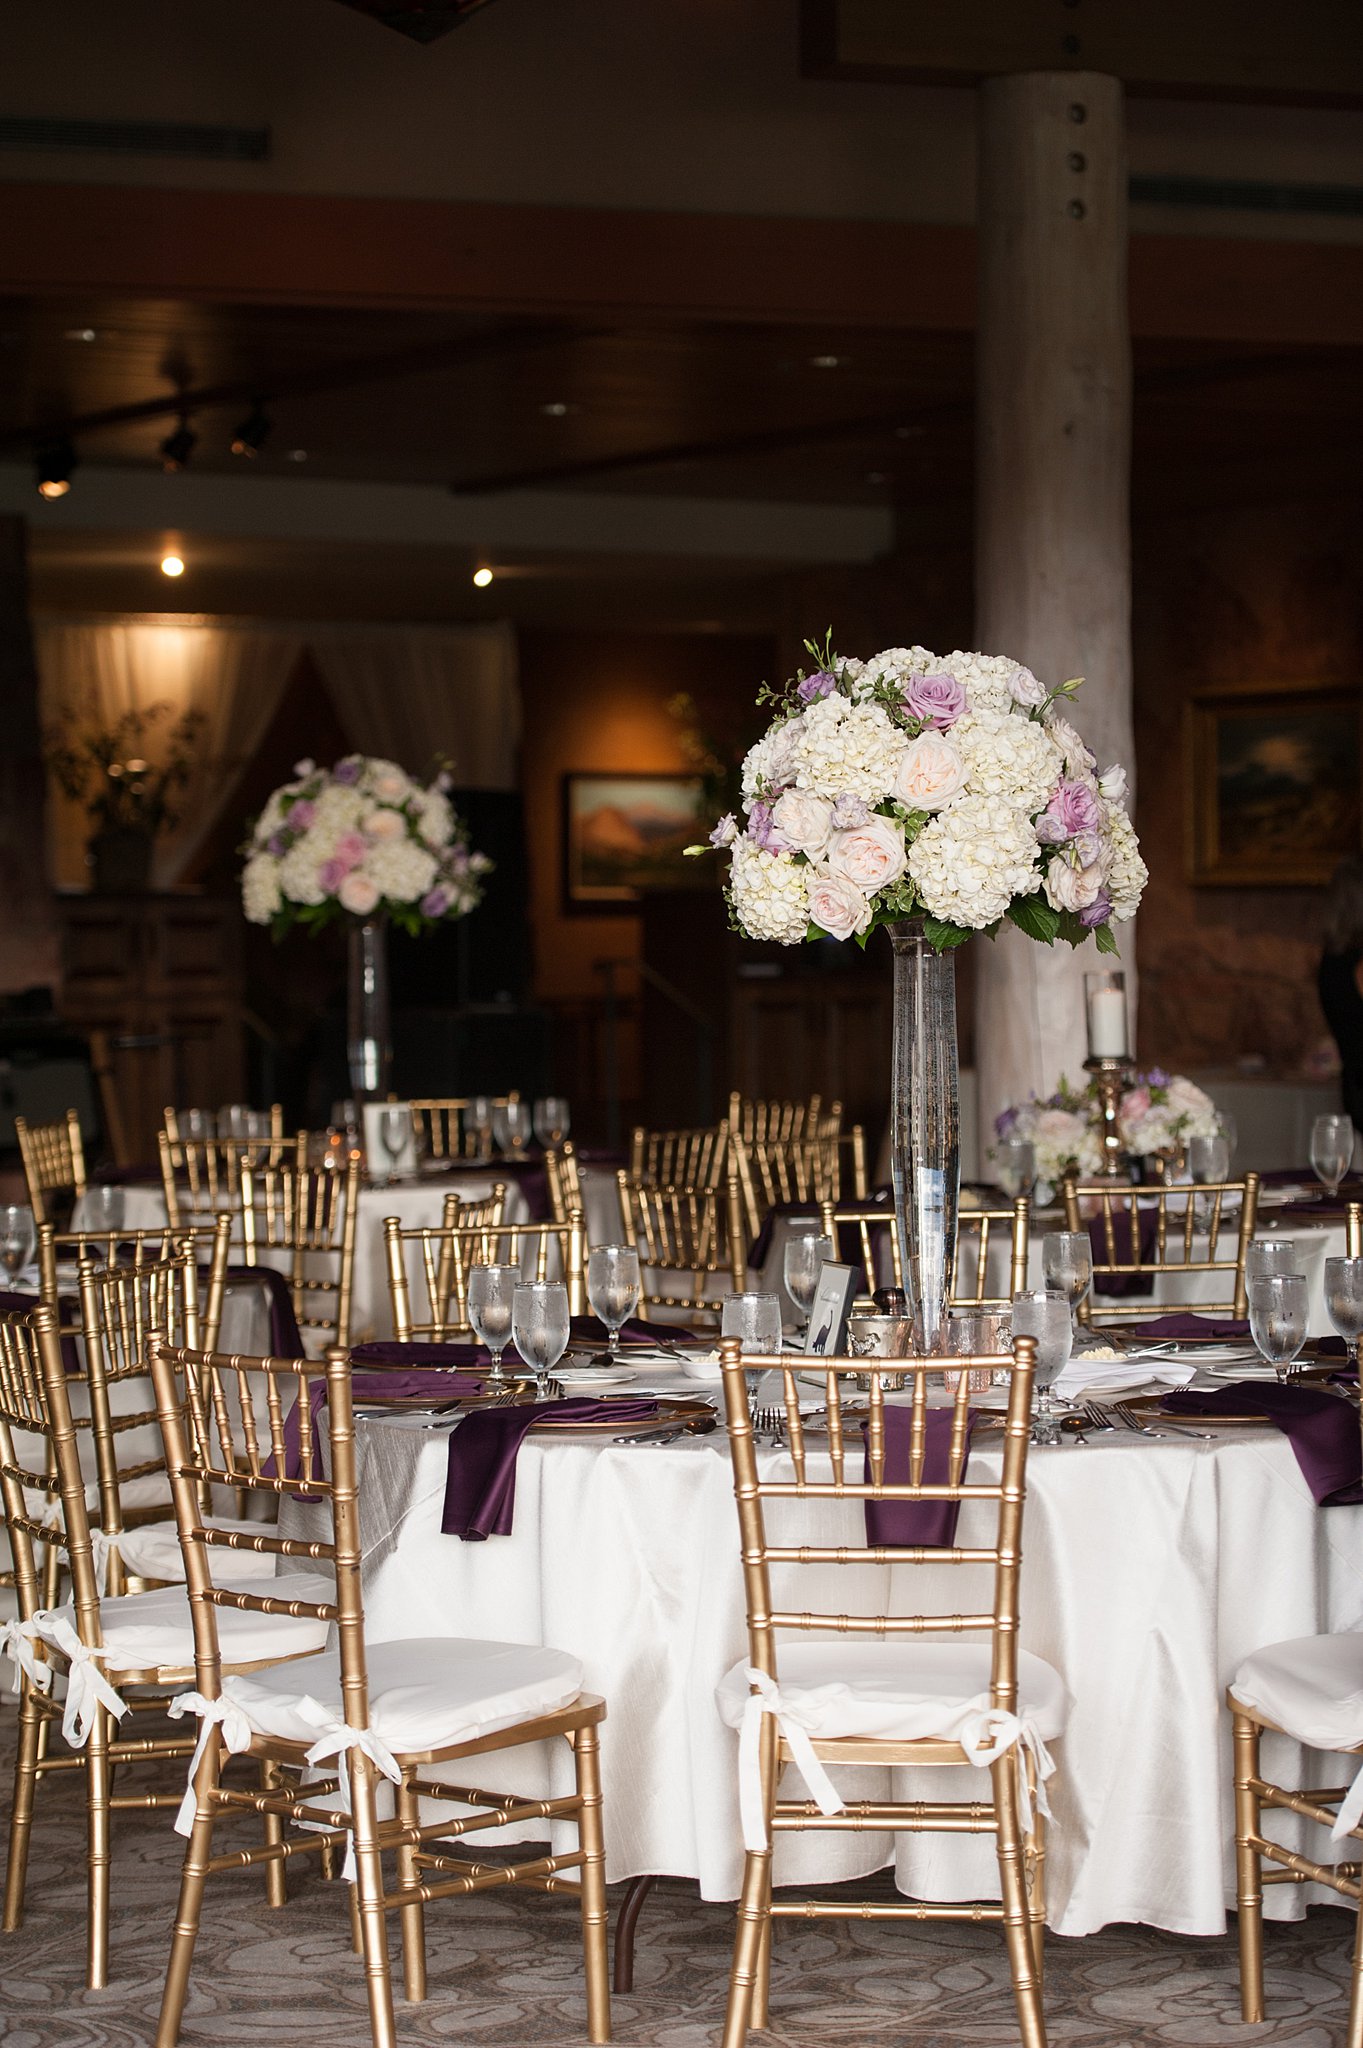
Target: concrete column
1053, 435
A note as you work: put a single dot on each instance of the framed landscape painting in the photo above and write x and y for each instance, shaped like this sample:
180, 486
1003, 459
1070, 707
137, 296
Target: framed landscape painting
1273, 775
625, 834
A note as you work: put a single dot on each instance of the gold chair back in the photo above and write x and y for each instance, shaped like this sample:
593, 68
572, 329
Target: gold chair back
442, 1129
1146, 1233
690, 1240
201, 1177
758, 1122
311, 1214
442, 1257
564, 1178
773, 1172
684, 1158
273, 1147
43, 1485
984, 1237
136, 1248
1353, 1230
53, 1160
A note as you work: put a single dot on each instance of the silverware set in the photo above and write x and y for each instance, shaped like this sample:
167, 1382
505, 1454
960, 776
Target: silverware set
1121, 1416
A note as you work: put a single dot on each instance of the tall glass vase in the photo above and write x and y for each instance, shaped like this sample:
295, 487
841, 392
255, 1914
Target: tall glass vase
369, 1043
926, 1128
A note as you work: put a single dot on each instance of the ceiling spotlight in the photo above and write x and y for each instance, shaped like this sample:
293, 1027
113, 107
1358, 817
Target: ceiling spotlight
295, 455
556, 409
172, 565
826, 362
54, 462
482, 577
177, 448
250, 437
81, 334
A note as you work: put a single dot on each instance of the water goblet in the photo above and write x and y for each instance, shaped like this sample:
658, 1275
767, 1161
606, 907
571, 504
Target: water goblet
197, 1125
1277, 1319
802, 1262
1332, 1150
491, 1294
551, 1119
478, 1119
1045, 1315
1067, 1264
613, 1291
1270, 1255
540, 1326
516, 1120
103, 1208
1208, 1159
18, 1236
1015, 1166
1229, 1130
500, 1124
1344, 1299
395, 1128
232, 1120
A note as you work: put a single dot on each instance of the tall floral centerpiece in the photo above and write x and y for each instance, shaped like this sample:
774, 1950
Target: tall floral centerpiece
940, 795
366, 845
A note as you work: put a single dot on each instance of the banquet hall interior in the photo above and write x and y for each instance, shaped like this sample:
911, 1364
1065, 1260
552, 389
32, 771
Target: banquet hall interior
494, 499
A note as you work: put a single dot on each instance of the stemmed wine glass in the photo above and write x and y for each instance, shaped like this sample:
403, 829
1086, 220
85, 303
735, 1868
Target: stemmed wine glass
395, 1128
1277, 1319
540, 1326
1269, 1255
613, 1291
802, 1263
1045, 1315
18, 1236
1067, 1266
491, 1295
1208, 1165
1332, 1150
551, 1119
478, 1119
1344, 1299
517, 1125
197, 1125
1015, 1166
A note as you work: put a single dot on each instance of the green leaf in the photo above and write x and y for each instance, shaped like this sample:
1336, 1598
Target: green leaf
943, 936
1104, 940
1033, 915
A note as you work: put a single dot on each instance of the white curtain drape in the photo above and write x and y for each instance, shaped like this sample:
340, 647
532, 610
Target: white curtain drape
233, 675
414, 693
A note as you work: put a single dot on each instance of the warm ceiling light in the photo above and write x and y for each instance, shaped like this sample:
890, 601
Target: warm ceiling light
53, 463
826, 362
81, 334
250, 437
482, 577
556, 409
296, 455
172, 565
177, 448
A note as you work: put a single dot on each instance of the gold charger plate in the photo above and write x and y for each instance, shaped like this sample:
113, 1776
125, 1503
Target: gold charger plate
696, 1416
1150, 1409
432, 1402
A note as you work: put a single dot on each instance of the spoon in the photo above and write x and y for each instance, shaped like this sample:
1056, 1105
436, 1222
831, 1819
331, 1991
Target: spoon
1073, 1426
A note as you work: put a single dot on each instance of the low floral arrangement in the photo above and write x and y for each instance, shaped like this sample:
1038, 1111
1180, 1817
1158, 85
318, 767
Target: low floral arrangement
1156, 1115
362, 839
947, 787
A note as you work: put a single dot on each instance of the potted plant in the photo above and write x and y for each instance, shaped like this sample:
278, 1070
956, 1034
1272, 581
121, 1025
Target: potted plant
129, 797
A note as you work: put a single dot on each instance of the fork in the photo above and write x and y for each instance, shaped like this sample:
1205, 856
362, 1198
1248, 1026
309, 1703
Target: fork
1132, 1421
1099, 1421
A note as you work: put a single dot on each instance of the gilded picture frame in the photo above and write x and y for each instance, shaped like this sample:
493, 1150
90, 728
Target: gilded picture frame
1272, 776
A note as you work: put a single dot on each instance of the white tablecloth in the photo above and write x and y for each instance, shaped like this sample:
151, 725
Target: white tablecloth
1151, 1568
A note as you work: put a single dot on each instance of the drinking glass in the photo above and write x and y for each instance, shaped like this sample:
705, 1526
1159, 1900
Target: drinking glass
198, 1125
492, 1291
613, 1291
1067, 1264
103, 1208
1270, 1255
1277, 1319
977, 1333
755, 1319
1015, 1166
540, 1326
1227, 1126
18, 1237
552, 1121
802, 1263
232, 1120
478, 1119
1344, 1298
1332, 1150
1045, 1315
516, 1124
1208, 1159
395, 1126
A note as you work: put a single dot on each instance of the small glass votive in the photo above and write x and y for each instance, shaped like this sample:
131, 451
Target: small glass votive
1105, 1013
977, 1333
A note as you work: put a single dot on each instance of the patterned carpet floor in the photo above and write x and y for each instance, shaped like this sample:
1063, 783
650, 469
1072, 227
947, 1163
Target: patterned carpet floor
505, 1969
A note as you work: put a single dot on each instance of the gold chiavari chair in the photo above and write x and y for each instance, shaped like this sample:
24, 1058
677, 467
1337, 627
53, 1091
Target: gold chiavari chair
1141, 1235
201, 1177
691, 1244
895, 1688
773, 1172
441, 1257
756, 1121
990, 1244
311, 1214
139, 1640
440, 1123
391, 1710
129, 1248
53, 1160
685, 1158
273, 1147
564, 1180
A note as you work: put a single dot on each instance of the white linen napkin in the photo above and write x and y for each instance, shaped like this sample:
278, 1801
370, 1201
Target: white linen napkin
1087, 1374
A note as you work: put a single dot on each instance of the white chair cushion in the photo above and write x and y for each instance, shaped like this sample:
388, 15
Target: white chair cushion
153, 1552
148, 1490
424, 1693
143, 1630
1311, 1688
898, 1691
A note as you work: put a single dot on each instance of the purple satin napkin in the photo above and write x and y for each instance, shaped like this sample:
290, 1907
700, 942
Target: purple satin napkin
1322, 1430
387, 1352
587, 1330
1223, 1329
480, 1485
373, 1386
286, 1339
902, 1524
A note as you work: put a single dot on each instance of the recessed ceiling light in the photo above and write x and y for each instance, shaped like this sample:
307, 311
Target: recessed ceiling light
296, 455
557, 409
172, 565
53, 463
826, 362
250, 437
482, 577
82, 334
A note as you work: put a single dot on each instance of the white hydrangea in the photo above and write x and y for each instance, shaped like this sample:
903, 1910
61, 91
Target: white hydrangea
272, 817
1007, 756
991, 681
770, 894
400, 869
973, 858
847, 749
298, 872
771, 763
260, 893
1127, 873
436, 817
340, 807
892, 664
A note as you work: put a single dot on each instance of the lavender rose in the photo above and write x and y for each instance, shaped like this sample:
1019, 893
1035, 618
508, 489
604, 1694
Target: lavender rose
435, 903
938, 700
1073, 808
822, 684
347, 770
1098, 912
762, 831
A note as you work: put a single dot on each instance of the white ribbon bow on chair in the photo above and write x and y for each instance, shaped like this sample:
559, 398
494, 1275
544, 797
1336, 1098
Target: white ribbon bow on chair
990, 1732
794, 1722
86, 1686
337, 1741
236, 1733
17, 1639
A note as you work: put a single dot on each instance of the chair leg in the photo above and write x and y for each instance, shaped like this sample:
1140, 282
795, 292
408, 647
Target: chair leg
31, 1723
595, 1916
356, 1930
1017, 1931
276, 1883
753, 1912
1249, 1890
98, 1792
1355, 2034
761, 1991
1034, 1849
630, 1908
413, 1916
193, 1877
369, 1891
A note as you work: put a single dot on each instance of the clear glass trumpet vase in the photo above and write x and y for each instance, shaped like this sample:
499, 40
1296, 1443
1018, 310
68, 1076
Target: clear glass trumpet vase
926, 1128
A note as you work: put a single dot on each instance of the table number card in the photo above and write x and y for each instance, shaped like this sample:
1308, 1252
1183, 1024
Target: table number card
826, 1336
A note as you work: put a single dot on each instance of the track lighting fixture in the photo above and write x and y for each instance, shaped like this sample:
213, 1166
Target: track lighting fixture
177, 448
54, 461
250, 437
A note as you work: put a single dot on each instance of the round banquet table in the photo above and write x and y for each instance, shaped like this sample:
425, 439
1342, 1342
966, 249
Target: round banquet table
1150, 1569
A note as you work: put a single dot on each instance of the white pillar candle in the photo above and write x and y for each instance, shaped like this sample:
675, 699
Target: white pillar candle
1107, 1024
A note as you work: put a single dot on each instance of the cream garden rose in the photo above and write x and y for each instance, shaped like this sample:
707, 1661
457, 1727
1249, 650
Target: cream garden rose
837, 905
870, 856
803, 821
931, 773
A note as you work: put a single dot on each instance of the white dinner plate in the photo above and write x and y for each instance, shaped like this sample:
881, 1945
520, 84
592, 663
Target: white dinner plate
592, 1375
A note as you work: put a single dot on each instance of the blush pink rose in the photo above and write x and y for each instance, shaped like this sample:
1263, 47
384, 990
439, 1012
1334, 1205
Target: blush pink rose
330, 875
1135, 1105
838, 906
930, 774
871, 855
382, 825
358, 894
351, 849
